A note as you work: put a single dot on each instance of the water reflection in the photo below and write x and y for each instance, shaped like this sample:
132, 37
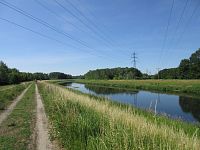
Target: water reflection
174, 106
190, 105
108, 90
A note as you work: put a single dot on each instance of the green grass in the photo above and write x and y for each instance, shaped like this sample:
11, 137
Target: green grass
16, 130
9, 94
4, 87
191, 87
81, 121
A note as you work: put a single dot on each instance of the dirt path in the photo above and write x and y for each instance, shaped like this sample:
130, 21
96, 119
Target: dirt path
42, 142
10, 108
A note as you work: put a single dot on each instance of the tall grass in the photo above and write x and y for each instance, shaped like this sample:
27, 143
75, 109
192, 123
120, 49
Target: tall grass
8, 95
80, 121
16, 130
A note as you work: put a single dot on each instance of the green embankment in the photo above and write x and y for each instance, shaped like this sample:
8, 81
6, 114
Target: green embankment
174, 86
16, 130
81, 121
9, 94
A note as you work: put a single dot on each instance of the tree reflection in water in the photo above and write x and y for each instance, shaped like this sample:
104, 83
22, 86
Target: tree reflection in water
190, 105
107, 90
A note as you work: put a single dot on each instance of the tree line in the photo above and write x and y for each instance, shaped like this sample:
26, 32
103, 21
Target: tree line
14, 76
114, 73
187, 69
59, 75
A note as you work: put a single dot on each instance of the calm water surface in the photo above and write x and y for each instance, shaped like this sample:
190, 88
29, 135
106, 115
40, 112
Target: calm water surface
185, 108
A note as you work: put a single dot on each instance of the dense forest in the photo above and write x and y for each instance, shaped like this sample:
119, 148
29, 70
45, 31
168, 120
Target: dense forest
14, 76
188, 69
59, 75
114, 73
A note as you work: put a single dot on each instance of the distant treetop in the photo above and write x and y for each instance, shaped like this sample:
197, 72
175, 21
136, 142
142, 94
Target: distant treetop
114, 73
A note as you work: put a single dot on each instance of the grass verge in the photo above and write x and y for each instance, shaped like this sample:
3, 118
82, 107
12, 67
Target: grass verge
16, 130
81, 121
8, 95
191, 87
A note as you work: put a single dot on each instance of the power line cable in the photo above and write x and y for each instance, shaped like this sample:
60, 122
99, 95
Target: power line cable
166, 31
180, 19
54, 13
87, 19
43, 23
35, 32
30, 30
94, 16
80, 20
46, 25
40, 21
178, 24
40, 34
188, 23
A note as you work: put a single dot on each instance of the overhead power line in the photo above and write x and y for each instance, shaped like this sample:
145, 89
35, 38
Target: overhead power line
43, 35
188, 23
80, 20
62, 18
88, 20
166, 32
35, 32
178, 25
181, 16
180, 19
30, 30
54, 13
49, 26
43, 23
102, 24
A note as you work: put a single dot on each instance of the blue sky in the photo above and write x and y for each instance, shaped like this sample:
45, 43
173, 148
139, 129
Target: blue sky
119, 27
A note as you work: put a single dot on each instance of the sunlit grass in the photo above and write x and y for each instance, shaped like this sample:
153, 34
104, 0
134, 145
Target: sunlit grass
80, 121
9, 94
16, 130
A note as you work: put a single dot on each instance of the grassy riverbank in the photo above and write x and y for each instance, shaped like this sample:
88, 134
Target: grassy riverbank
9, 94
88, 122
191, 87
16, 130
